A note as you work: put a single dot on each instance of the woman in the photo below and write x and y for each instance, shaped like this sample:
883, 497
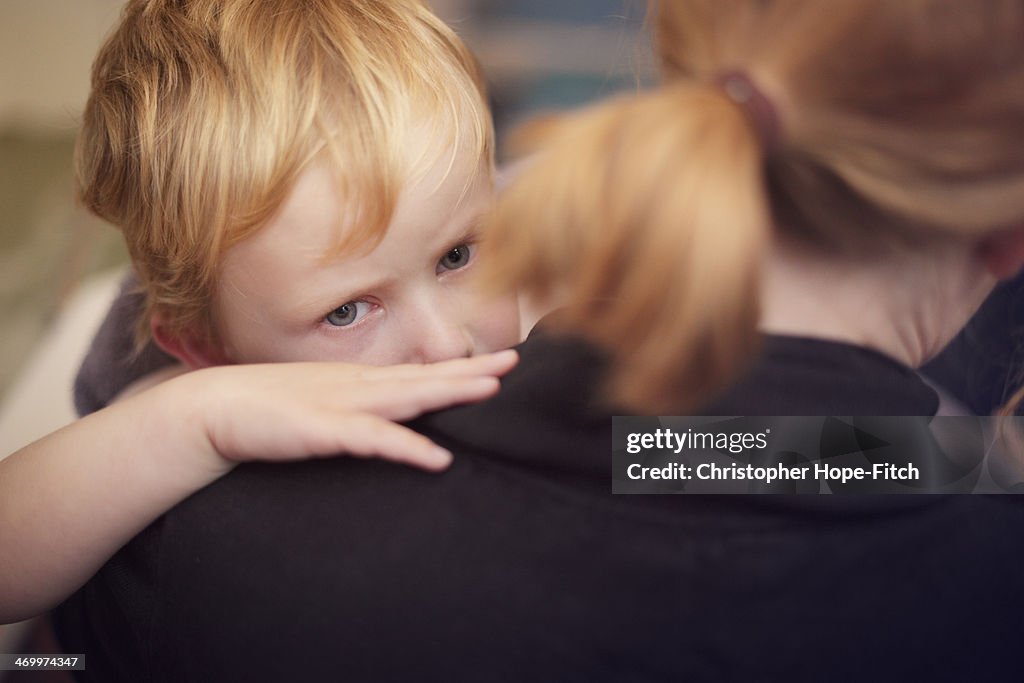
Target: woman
834, 171
830, 164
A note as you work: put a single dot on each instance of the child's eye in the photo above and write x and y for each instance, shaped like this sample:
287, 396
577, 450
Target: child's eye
347, 313
457, 257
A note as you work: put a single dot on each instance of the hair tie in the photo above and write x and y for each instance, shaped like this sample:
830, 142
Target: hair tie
738, 87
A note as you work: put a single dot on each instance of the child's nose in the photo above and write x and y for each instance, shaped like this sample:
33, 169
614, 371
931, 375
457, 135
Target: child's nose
442, 338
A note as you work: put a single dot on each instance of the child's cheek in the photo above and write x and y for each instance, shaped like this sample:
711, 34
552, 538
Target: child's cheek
499, 325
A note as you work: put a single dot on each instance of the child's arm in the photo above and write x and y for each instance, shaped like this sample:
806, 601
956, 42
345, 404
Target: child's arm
71, 499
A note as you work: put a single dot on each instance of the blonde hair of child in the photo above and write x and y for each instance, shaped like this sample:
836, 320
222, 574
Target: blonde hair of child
900, 122
204, 112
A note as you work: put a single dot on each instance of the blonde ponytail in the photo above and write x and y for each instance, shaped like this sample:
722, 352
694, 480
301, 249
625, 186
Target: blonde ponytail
646, 218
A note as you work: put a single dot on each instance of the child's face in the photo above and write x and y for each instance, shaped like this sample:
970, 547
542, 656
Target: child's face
411, 299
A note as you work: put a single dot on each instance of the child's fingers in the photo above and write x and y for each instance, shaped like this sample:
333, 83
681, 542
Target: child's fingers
496, 364
365, 435
491, 364
408, 398
284, 412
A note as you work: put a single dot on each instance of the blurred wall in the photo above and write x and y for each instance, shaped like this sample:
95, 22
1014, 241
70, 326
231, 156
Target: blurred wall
46, 243
46, 48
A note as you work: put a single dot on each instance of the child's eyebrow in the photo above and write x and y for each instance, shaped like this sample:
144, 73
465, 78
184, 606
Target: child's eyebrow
471, 224
302, 316
468, 229
320, 299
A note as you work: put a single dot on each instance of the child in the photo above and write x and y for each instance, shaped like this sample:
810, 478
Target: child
296, 181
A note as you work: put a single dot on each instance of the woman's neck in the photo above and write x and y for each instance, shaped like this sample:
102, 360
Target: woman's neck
905, 304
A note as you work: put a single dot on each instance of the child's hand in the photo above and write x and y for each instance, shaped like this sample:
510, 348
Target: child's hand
296, 410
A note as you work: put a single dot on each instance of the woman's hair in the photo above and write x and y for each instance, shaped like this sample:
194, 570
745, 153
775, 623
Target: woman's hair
897, 121
204, 112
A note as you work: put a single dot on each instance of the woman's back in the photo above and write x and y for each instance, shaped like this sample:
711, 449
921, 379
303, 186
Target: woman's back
519, 565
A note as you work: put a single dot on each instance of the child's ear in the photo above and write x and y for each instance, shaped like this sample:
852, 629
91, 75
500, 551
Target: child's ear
1003, 253
194, 350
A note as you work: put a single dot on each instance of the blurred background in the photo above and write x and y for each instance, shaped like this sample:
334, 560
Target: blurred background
59, 266
45, 244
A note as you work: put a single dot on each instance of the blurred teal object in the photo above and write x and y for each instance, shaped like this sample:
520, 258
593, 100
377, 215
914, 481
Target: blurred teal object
547, 56
573, 11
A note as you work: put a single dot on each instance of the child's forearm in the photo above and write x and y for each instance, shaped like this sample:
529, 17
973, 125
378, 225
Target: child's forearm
71, 499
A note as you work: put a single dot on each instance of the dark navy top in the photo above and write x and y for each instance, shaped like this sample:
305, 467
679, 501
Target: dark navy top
518, 564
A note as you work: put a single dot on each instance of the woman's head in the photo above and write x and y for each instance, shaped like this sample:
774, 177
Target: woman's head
899, 125
205, 114
897, 117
